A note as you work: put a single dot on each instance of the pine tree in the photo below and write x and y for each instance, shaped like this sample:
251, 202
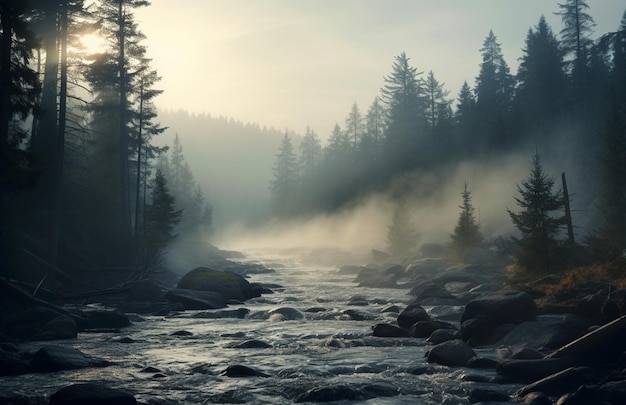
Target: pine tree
161, 217
541, 85
539, 222
467, 231
404, 99
494, 94
284, 185
354, 126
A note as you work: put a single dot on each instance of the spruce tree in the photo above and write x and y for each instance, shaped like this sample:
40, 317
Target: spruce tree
467, 231
539, 222
161, 217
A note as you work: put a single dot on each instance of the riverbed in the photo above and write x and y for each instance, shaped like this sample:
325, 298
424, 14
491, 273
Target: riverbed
311, 340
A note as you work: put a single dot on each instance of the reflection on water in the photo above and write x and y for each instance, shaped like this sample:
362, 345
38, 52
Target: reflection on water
325, 350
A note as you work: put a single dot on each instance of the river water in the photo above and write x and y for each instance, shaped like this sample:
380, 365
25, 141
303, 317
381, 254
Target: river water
329, 353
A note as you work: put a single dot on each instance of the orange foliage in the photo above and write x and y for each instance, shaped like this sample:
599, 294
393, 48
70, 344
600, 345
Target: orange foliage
612, 272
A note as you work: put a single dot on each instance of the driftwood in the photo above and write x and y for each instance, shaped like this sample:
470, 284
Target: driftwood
604, 344
12, 292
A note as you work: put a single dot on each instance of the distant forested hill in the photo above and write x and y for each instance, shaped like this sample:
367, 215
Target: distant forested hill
231, 161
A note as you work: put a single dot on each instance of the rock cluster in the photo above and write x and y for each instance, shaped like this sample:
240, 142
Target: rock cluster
572, 354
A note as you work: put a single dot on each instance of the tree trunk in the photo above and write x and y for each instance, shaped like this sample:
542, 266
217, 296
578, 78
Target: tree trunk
60, 146
568, 213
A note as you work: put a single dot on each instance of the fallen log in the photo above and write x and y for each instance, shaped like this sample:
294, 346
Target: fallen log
602, 345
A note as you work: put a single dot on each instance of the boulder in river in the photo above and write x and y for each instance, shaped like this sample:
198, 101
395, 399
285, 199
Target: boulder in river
388, 330
193, 299
501, 307
91, 393
229, 285
451, 353
58, 358
411, 314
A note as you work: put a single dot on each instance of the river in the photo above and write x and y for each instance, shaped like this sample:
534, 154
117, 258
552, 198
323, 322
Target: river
329, 353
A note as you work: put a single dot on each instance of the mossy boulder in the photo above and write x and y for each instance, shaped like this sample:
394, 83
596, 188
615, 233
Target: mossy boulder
230, 285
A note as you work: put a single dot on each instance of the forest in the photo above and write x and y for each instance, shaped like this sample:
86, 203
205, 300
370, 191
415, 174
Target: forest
86, 183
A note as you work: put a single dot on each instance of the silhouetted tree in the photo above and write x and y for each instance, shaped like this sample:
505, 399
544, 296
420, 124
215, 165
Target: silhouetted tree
467, 231
539, 222
375, 127
354, 126
465, 116
284, 185
494, 94
161, 217
542, 84
404, 100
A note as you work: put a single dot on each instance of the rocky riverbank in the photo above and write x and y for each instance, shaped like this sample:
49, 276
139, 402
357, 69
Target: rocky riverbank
569, 348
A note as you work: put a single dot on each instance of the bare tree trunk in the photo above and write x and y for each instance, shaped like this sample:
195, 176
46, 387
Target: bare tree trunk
60, 145
138, 188
568, 213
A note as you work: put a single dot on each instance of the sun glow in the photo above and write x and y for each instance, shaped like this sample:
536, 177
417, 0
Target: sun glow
92, 43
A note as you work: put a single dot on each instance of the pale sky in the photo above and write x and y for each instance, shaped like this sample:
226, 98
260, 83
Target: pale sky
291, 63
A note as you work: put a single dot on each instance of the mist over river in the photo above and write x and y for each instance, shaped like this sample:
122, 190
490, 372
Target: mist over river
310, 341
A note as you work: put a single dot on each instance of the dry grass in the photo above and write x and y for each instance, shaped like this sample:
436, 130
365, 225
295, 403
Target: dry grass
612, 272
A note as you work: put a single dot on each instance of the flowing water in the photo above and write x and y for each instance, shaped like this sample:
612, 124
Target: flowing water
328, 353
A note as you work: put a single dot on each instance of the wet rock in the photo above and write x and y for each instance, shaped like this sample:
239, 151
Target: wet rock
477, 331
377, 278
412, 314
91, 393
561, 382
537, 398
533, 370
481, 362
547, 332
61, 327
430, 290
391, 309
451, 353
345, 392
424, 329
613, 392
526, 353
229, 285
252, 344
442, 335
602, 345
501, 307
239, 370
483, 395
387, 330
358, 315
284, 314
58, 358
182, 333
97, 319
193, 299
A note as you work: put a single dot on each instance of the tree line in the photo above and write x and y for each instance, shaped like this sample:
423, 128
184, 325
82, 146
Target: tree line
80, 184
567, 101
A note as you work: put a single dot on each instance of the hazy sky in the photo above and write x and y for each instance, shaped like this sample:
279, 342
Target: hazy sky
293, 63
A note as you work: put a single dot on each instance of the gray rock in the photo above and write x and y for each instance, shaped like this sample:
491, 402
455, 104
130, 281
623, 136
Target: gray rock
412, 314
58, 358
451, 353
547, 332
193, 299
285, 314
442, 335
61, 327
387, 330
90, 393
424, 329
502, 307
229, 285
